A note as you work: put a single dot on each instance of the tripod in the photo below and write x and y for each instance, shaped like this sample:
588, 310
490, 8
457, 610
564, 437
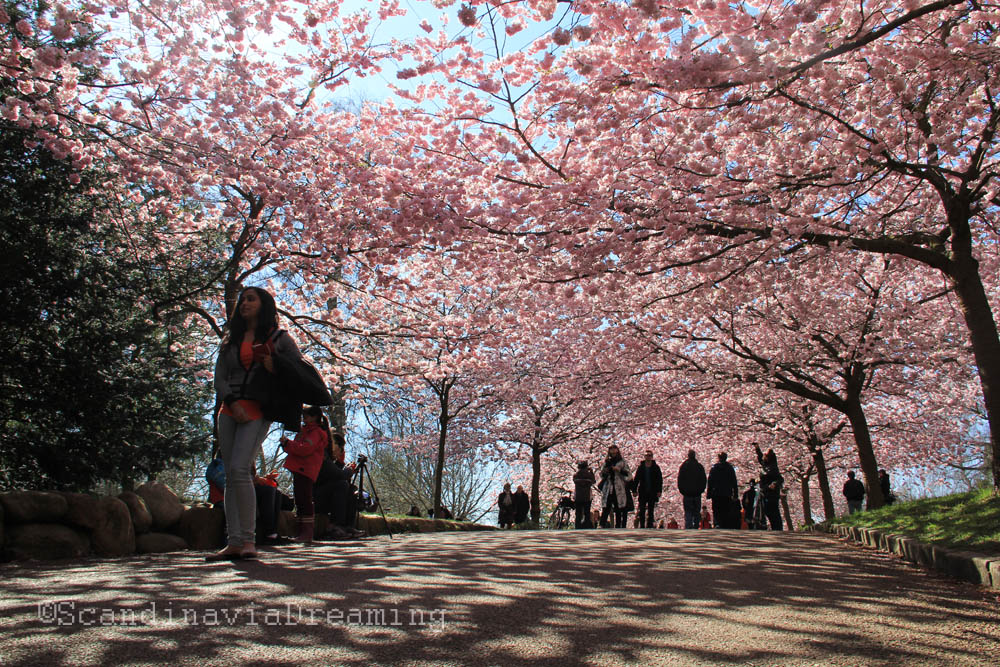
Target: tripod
359, 474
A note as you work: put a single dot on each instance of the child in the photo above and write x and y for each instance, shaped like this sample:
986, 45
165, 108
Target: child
305, 457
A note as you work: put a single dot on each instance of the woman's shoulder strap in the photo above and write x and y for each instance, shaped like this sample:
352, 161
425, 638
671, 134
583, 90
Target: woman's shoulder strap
275, 334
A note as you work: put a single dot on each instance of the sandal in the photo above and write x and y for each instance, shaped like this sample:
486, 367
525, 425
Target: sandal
223, 555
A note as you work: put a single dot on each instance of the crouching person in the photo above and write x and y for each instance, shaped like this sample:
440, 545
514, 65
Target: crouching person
333, 491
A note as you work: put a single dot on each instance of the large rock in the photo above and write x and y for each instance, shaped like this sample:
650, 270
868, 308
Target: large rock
155, 543
33, 506
113, 533
202, 527
163, 504
45, 541
142, 520
82, 510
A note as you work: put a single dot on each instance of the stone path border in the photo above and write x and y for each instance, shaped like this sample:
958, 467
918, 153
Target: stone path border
965, 565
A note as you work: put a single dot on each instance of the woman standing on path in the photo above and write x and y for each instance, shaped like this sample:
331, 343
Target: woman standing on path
244, 377
770, 487
505, 507
614, 488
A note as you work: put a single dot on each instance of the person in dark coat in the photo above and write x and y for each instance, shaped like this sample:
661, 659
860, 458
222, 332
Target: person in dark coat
771, 482
522, 505
748, 500
854, 492
505, 508
723, 490
648, 482
582, 481
333, 491
883, 482
691, 483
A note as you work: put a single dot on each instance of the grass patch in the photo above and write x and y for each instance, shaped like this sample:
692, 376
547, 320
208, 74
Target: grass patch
966, 521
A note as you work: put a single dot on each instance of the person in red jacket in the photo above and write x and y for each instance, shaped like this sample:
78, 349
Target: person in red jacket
305, 457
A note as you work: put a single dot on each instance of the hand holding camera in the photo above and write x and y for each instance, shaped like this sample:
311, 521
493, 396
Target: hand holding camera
262, 353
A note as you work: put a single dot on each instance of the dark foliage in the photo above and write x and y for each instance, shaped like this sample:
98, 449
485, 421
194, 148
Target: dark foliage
92, 386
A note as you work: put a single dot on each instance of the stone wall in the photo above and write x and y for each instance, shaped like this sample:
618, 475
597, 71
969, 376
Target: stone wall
48, 525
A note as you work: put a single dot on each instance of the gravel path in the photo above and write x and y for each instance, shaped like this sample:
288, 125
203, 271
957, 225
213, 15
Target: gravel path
505, 598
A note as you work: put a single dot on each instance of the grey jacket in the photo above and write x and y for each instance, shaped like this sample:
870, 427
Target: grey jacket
234, 382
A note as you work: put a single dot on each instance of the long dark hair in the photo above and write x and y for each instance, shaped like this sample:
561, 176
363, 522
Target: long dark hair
324, 423
267, 318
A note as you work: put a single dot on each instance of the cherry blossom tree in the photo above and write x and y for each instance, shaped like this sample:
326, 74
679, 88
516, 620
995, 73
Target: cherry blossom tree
635, 138
548, 406
808, 437
423, 328
841, 345
708, 181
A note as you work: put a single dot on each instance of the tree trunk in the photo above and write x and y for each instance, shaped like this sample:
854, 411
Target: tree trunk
819, 462
338, 411
806, 504
851, 408
443, 420
866, 453
985, 347
536, 475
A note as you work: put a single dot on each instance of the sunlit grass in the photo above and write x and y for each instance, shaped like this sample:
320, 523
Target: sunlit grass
969, 521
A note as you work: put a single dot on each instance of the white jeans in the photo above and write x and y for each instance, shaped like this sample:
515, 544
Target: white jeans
238, 444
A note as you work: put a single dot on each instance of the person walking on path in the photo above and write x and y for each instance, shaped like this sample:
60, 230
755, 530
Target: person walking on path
582, 481
304, 460
723, 490
505, 507
649, 485
854, 491
244, 378
522, 505
691, 483
771, 482
615, 496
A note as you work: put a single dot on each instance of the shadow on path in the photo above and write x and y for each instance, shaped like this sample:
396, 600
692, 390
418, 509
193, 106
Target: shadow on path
539, 598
